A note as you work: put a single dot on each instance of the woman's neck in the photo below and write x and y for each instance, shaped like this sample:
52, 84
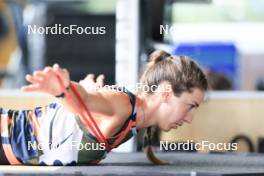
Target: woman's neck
146, 115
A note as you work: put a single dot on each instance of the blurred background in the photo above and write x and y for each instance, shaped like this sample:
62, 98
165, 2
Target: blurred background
225, 37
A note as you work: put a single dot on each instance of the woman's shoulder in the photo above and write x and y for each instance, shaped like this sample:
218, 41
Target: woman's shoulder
120, 101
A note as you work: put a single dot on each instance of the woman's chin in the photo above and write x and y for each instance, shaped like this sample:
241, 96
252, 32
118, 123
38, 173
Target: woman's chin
173, 128
167, 129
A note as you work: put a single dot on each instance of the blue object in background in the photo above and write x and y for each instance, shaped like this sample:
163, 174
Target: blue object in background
217, 57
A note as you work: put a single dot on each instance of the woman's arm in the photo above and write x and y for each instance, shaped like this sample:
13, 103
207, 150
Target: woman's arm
46, 81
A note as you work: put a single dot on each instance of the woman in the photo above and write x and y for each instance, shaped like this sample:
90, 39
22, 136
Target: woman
61, 134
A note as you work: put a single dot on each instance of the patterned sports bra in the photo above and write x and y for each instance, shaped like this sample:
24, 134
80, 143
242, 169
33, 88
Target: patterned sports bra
127, 131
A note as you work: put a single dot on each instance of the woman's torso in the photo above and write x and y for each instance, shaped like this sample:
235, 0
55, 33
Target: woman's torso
53, 136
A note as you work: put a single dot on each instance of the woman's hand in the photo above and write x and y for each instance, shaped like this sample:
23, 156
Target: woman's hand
46, 80
90, 84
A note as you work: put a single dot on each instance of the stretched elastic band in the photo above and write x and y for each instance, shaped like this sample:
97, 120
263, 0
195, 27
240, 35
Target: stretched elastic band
92, 126
89, 114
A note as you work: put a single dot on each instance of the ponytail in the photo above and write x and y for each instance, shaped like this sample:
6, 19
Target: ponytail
147, 144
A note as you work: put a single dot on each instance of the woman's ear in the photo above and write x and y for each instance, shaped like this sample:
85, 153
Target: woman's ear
165, 91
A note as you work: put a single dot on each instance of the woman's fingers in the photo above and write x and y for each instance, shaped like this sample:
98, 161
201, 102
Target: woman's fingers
47, 70
31, 87
100, 80
40, 75
58, 70
90, 78
46, 80
31, 79
63, 73
90, 84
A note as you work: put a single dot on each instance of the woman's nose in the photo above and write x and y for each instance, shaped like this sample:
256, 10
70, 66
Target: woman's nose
188, 118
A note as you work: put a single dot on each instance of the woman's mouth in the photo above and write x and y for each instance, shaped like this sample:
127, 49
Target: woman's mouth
176, 125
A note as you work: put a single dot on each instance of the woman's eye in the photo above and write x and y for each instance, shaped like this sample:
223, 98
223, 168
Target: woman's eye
191, 107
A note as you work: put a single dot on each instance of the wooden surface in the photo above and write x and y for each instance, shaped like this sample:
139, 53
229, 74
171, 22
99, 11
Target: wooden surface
16, 99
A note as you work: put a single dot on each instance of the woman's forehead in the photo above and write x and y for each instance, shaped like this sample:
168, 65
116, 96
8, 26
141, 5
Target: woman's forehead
196, 95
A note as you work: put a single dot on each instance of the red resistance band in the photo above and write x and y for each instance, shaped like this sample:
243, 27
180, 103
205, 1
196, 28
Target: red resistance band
89, 123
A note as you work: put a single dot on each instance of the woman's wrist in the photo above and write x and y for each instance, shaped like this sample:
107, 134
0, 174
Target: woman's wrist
62, 95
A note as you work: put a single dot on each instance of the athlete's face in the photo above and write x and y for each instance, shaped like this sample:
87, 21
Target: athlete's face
176, 111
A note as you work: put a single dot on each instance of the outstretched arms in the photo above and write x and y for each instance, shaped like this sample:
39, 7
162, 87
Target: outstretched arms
46, 81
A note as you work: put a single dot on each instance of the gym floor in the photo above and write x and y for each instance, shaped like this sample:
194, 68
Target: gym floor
193, 164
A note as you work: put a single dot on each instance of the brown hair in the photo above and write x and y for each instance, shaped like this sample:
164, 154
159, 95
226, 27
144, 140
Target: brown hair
181, 72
